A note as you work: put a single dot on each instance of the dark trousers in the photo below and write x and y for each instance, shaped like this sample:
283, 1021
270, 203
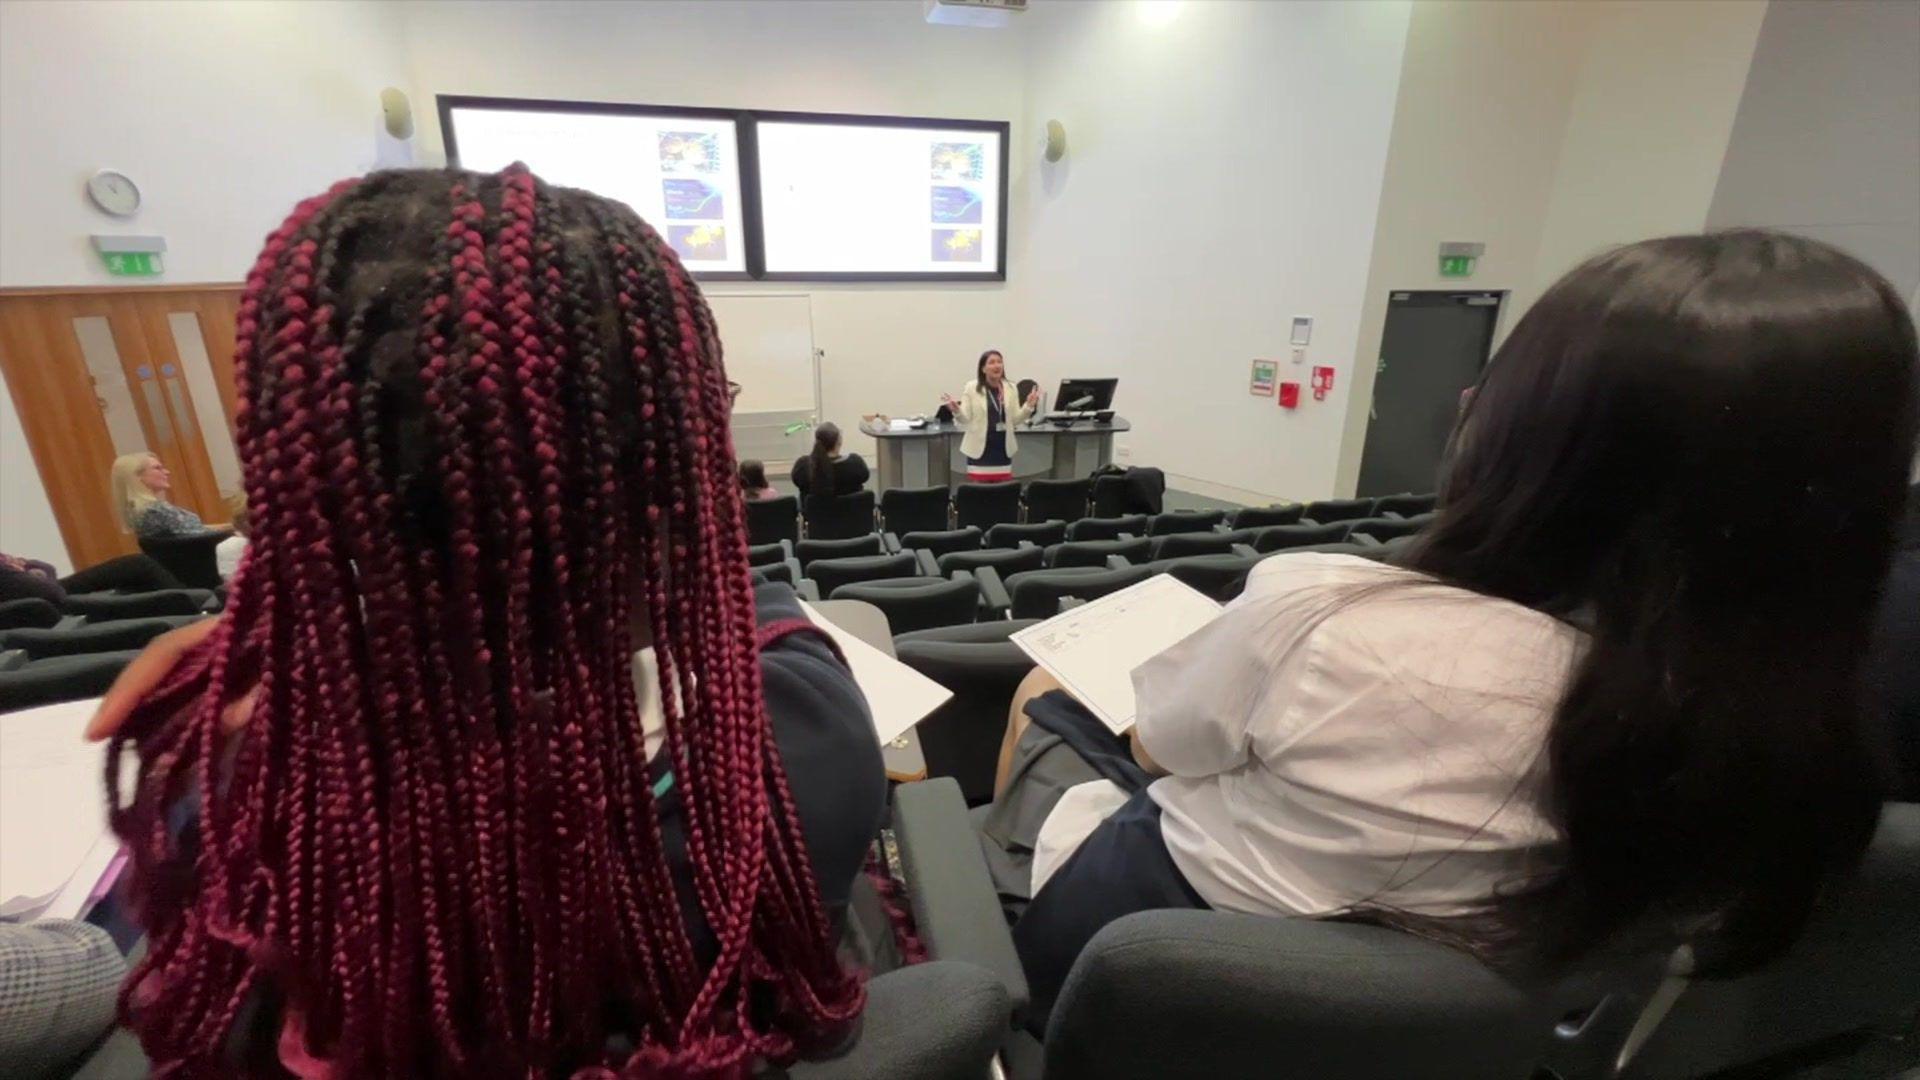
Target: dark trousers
128, 573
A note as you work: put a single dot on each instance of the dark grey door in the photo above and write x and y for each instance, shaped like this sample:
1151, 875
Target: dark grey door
1434, 347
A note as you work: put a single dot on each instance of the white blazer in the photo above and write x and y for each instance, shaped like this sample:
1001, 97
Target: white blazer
973, 406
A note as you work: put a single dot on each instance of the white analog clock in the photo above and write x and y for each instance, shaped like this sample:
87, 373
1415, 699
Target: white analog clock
113, 192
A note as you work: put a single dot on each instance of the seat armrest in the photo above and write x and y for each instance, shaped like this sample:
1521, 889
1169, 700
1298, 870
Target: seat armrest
993, 590
1308, 521
1126, 536
954, 902
890, 543
809, 590
1068, 603
13, 658
1118, 562
1362, 539
793, 568
1223, 527
1245, 551
1025, 544
929, 567
786, 549
70, 622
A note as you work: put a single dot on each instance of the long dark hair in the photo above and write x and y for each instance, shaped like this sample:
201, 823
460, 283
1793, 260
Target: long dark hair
438, 847
826, 440
980, 368
753, 476
1696, 449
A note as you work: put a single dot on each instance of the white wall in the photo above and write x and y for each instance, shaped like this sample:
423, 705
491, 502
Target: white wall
1827, 139
1223, 176
889, 348
1648, 126
1483, 103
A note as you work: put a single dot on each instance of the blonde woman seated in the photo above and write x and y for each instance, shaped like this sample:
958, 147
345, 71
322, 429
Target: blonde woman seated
140, 489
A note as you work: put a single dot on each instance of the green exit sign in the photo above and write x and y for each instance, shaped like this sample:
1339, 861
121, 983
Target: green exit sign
1456, 265
132, 263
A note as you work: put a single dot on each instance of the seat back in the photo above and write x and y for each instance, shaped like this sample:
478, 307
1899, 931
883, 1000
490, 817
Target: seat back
830, 574
986, 505
1107, 528
1184, 521
770, 521
1202, 993
1385, 529
1255, 517
1058, 500
1221, 577
982, 668
1037, 593
1330, 510
1097, 552
837, 517
1291, 536
28, 612
117, 636
918, 603
943, 541
1110, 496
904, 510
1181, 545
1857, 966
61, 678
809, 550
766, 554
1039, 533
1405, 505
188, 558
1007, 561
781, 572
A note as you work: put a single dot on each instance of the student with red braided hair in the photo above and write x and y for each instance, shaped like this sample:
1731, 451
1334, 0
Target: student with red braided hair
424, 802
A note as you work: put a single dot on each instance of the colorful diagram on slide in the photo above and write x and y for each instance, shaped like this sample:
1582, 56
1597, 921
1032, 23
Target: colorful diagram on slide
956, 205
956, 245
693, 200
954, 161
705, 243
684, 153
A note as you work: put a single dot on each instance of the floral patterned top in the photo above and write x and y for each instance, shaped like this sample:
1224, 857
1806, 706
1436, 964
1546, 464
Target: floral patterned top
163, 519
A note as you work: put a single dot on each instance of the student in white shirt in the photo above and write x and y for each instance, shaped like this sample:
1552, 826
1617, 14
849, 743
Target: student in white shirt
1613, 690
227, 553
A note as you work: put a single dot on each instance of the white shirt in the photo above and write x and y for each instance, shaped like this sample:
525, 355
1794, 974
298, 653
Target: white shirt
226, 555
1350, 733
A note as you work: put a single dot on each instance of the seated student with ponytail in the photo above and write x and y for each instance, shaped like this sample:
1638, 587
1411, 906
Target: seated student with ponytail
1612, 694
826, 471
496, 763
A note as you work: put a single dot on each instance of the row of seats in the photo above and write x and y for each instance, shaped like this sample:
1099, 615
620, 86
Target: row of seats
1038, 502
48, 656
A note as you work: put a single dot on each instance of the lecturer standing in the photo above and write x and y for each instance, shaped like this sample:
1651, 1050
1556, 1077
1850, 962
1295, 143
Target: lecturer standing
988, 410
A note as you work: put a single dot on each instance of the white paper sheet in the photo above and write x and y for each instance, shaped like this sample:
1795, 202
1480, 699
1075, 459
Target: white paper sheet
53, 811
898, 696
1093, 649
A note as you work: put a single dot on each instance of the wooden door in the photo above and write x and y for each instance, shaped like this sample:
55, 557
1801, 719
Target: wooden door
96, 373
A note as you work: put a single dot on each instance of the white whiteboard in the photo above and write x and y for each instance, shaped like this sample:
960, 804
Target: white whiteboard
767, 341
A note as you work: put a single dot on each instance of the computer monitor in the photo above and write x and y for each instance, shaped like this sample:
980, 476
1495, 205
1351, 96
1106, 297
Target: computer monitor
1085, 395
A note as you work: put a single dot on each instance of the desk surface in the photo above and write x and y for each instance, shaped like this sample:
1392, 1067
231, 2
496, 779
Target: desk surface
936, 429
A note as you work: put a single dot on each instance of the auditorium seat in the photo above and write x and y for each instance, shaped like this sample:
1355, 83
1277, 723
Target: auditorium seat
982, 668
1254, 517
943, 541
1405, 505
1327, 511
809, 550
1058, 500
1036, 594
1221, 577
1097, 552
770, 521
1108, 528
159, 603
918, 603
1184, 521
838, 517
1006, 561
905, 510
986, 505
117, 635
1041, 533
189, 559
29, 612
1276, 537
1181, 545
830, 574
1385, 529
1110, 497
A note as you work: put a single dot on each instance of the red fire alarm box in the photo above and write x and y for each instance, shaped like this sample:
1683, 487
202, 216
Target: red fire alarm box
1322, 382
1289, 395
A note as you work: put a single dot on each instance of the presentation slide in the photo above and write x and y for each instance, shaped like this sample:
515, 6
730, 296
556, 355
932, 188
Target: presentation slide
857, 198
681, 174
